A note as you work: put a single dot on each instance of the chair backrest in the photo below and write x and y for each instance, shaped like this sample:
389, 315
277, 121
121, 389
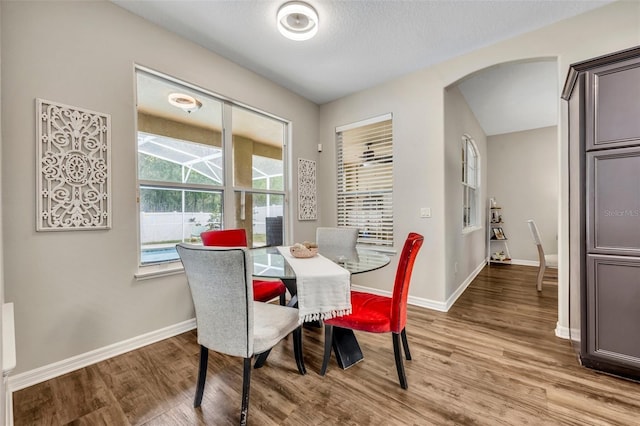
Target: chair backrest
336, 239
534, 232
403, 279
273, 228
222, 292
225, 238
536, 237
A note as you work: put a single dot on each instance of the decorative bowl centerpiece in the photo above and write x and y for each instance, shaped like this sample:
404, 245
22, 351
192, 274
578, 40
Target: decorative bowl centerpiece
304, 250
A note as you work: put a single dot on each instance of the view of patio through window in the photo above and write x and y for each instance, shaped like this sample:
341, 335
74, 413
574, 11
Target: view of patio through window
186, 185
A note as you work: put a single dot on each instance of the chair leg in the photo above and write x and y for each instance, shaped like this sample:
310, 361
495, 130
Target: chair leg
297, 350
328, 342
399, 365
246, 383
405, 344
540, 277
261, 358
202, 376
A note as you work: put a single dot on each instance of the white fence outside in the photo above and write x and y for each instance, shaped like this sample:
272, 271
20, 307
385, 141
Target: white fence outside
176, 226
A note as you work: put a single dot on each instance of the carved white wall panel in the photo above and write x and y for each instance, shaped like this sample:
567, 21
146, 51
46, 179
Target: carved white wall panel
74, 168
307, 204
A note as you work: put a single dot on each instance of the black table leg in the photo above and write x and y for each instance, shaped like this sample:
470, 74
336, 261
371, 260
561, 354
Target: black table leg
346, 347
290, 284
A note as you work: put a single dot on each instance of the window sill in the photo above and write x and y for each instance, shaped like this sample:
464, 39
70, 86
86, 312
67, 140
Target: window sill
471, 229
158, 270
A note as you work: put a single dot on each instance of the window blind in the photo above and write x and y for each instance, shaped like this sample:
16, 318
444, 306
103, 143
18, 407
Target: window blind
365, 180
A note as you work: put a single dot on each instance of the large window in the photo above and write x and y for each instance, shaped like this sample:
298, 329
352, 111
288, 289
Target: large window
193, 175
365, 179
470, 183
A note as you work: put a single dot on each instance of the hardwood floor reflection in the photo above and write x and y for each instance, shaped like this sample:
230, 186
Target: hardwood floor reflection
492, 359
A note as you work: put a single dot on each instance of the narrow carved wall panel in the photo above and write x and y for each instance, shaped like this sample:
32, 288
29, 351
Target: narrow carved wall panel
74, 176
307, 205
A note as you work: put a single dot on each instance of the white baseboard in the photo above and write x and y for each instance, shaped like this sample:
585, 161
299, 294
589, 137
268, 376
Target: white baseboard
462, 287
524, 262
563, 332
47, 372
412, 300
428, 303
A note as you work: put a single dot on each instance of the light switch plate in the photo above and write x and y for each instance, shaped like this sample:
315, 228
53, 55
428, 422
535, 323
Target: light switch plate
425, 212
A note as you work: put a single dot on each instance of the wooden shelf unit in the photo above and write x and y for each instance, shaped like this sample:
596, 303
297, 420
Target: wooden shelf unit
496, 237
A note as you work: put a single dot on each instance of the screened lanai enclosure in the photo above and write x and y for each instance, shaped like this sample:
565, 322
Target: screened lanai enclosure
179, 213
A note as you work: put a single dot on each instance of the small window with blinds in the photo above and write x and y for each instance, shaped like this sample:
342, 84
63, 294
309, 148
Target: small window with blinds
365, 179
470, 181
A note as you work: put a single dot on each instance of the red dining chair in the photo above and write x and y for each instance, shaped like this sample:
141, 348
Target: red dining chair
263, 290
381, 314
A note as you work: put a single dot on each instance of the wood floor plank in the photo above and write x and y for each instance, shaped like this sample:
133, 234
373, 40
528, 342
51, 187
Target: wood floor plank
493, 359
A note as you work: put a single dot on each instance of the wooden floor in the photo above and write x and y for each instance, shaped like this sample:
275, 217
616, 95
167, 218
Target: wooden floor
492, 359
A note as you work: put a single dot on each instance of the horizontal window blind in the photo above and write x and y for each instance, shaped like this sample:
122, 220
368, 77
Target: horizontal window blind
365, 181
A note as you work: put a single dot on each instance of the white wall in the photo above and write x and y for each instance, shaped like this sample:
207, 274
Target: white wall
465, 252
523, 177
2, 386
75, 291
418, 172
417, 102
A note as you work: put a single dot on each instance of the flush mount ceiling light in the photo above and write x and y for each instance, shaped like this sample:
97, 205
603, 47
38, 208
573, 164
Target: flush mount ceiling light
297, 21
184, 102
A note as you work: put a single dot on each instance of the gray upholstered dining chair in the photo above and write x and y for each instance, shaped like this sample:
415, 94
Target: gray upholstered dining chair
337, 242
545, 260
228, 320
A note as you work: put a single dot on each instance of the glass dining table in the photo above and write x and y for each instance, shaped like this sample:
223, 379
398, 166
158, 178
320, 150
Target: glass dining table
269, 263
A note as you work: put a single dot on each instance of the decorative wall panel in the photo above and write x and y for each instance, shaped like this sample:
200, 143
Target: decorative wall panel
307, 204
74, 176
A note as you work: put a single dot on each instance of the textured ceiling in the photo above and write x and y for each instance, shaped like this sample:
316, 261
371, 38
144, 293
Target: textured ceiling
360, 43
364, 43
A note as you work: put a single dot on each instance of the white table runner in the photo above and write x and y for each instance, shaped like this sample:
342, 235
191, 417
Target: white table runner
323, 287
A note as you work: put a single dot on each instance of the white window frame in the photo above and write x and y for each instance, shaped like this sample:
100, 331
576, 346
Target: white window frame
470, 185
364, 191
227, 188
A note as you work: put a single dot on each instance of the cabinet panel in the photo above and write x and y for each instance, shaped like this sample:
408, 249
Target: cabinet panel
614, 107
613, 291
613, 194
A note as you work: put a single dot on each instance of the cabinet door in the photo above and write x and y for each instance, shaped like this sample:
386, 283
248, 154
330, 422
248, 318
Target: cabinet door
613, 103
613, 303
613, 197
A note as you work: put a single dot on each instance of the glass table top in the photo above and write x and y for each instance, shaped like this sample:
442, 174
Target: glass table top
269, 263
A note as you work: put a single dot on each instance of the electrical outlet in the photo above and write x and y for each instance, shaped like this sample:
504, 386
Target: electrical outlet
425, 212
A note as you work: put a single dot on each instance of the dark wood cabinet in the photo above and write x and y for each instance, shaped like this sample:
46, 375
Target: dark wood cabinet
603, 95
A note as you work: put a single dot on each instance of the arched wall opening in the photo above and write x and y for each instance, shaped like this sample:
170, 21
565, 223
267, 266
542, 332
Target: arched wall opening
512, 112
